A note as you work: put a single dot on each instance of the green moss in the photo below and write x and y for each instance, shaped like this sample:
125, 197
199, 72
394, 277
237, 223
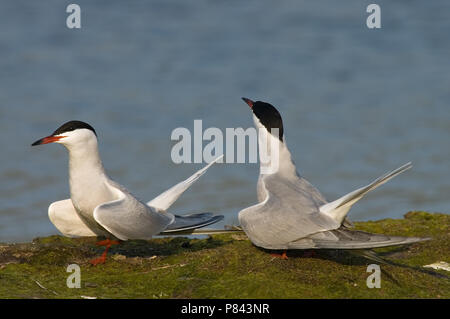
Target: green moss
226, 266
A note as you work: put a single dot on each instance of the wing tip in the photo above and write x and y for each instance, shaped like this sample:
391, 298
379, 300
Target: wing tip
217, 159
394, 241
407, 166
212, 219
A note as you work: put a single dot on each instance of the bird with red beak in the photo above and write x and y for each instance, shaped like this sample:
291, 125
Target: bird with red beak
292, 214
98, 206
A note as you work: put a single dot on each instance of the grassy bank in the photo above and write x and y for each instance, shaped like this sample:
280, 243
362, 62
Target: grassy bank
226, 266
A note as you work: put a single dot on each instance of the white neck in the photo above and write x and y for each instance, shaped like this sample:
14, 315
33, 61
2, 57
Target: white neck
86, 172
275, 158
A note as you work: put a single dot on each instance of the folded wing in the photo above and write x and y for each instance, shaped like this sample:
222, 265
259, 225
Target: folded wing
288, 213
343, 238
127, 218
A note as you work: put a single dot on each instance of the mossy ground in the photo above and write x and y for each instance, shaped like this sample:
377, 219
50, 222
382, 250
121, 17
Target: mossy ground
226, 266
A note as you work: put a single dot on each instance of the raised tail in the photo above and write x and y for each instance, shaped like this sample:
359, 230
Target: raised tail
166, 199
339, 208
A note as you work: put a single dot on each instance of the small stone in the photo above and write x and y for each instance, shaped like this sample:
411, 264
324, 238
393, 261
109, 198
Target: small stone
439, 265
135, 260
239, 237
119, 257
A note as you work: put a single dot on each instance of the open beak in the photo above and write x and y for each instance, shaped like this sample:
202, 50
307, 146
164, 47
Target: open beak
47, 140
248, 101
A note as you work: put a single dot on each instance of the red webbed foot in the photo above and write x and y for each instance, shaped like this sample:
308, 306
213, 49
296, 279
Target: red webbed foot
281, 256
102, 259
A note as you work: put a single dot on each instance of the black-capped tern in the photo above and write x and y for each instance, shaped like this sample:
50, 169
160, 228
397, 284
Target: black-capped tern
99, 206
292, 213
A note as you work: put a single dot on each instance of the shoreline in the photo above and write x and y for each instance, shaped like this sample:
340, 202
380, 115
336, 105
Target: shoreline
227, 266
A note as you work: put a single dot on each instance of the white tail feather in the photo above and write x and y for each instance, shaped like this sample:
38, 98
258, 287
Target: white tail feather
339, 208
166, 199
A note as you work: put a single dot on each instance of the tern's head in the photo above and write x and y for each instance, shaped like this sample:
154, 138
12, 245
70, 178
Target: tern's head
266, 116
70, 134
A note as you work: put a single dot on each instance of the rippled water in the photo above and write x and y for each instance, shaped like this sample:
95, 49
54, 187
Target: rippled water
356, 102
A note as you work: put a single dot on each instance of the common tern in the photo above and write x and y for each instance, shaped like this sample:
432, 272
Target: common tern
99, 206
292, 213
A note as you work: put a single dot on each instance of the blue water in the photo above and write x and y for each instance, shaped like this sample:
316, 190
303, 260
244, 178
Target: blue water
356, 102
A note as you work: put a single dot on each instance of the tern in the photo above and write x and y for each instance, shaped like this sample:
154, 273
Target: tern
292, 213
99, 206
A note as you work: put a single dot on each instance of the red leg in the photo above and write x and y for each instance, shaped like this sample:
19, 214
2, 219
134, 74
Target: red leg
102, 259
282, 256
107, 242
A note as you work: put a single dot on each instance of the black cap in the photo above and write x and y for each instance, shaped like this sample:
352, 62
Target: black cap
72, 126
268, 115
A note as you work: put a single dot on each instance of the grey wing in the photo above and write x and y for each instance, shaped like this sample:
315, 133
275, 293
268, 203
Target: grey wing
319, 198
344, 238
302, 185
289, 212
127, 218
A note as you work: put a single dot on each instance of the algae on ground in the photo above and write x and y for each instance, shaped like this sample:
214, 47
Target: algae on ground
226, 266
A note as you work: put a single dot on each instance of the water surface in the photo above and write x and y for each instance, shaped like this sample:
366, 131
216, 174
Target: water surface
356, 102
